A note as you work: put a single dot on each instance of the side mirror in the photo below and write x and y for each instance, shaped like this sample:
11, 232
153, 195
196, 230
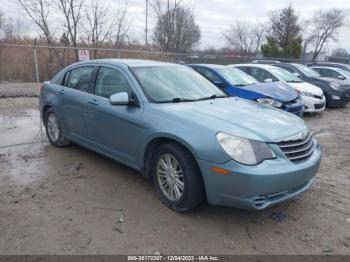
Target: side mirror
219, 84
296, 74
119, 99
341, 77
268, 80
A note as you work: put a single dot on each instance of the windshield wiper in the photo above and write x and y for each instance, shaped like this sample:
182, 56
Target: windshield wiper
294, 81
177, 100
211, 97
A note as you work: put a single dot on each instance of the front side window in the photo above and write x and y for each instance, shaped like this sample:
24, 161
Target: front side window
79, 78
109, 82
166, 83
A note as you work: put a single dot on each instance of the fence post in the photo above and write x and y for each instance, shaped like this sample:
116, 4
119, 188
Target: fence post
35, 58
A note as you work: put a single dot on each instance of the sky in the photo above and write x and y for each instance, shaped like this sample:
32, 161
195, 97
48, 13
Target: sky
215, 16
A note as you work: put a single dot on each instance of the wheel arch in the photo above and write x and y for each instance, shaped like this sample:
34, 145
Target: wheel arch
157, 141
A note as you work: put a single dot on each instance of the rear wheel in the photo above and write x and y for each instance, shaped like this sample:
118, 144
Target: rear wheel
54, 130
177, 178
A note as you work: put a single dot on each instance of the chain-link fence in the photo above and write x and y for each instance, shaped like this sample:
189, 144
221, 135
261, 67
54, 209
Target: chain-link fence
30, 63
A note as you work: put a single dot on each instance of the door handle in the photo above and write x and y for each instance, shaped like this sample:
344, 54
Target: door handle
93, 102
61, 91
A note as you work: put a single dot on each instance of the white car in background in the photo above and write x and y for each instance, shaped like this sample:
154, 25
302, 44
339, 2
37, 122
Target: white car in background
312, 95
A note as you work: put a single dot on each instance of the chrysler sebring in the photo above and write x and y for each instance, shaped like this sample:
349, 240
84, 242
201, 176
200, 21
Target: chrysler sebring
176, 127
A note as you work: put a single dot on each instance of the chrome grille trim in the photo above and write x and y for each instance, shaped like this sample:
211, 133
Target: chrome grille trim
299, 148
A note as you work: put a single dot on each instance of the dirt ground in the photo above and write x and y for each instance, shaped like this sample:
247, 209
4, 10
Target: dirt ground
73, 201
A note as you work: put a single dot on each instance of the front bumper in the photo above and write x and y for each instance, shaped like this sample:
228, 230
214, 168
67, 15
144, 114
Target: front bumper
338, 98
258, 187
313, 105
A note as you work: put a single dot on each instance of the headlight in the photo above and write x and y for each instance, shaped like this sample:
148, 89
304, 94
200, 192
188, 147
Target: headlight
335, 86
269, 101
245, 151
302, 93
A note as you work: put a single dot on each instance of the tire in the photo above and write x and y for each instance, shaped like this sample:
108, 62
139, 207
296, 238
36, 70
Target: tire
57, 140
193, 189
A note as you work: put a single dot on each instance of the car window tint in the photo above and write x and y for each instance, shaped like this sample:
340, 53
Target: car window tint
79, 78
208, 74
109, 82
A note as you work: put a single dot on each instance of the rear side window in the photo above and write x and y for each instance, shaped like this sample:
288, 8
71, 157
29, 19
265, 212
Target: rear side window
109, 82
57, 79
260, 74
79, 78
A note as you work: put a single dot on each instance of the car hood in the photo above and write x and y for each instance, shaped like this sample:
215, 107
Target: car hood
335, 80
280, 91
237, 117
307, 87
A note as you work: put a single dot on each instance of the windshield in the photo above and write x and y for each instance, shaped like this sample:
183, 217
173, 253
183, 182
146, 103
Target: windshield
284, 75
343, 72
175, 83
307, 70
236, 77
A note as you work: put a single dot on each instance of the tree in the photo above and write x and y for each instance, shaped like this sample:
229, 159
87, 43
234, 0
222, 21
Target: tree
72, 12
340, 52
99, 24
175, 30
122, 23
285, 34
245, 37
39, 12
325, 26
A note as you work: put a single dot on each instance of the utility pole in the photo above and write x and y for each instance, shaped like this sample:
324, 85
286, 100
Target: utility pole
146, 29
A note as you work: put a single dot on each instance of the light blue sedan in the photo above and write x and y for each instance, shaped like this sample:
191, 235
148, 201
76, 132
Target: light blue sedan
173, 125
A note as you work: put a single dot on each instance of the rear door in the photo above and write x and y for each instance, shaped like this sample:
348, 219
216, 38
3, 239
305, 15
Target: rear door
78, 88
113, 130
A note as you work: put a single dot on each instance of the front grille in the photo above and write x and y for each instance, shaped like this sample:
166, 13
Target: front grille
319, 106
298, 149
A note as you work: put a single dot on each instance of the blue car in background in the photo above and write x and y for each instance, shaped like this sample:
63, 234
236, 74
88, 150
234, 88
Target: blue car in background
235, 82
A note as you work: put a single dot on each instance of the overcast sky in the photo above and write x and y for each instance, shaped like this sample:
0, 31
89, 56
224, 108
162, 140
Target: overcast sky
214, 16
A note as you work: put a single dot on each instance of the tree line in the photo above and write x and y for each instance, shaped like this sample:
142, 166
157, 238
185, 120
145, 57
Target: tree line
93, 23
286, 35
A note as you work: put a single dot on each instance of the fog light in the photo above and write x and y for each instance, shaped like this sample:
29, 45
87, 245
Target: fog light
336, 97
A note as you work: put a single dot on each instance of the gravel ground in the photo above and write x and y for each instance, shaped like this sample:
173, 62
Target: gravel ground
73, 201
9, 89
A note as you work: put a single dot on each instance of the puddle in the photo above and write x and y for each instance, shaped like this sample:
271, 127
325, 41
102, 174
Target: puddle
20, 128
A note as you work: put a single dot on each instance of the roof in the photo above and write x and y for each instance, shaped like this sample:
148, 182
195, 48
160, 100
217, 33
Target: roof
212, 66
128, 62
263, 66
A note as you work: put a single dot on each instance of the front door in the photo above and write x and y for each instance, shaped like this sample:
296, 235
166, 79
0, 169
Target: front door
113, 130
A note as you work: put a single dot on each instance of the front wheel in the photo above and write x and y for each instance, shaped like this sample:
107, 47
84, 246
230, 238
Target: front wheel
177, 178
54, 130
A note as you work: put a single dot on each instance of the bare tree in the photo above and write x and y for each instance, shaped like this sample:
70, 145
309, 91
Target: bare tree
245, 37
99, 24
39, 12
175, 30
122, 23
340, 52
325, 26
72, 12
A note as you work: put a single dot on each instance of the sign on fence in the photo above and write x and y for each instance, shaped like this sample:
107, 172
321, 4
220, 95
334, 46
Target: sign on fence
83, 55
